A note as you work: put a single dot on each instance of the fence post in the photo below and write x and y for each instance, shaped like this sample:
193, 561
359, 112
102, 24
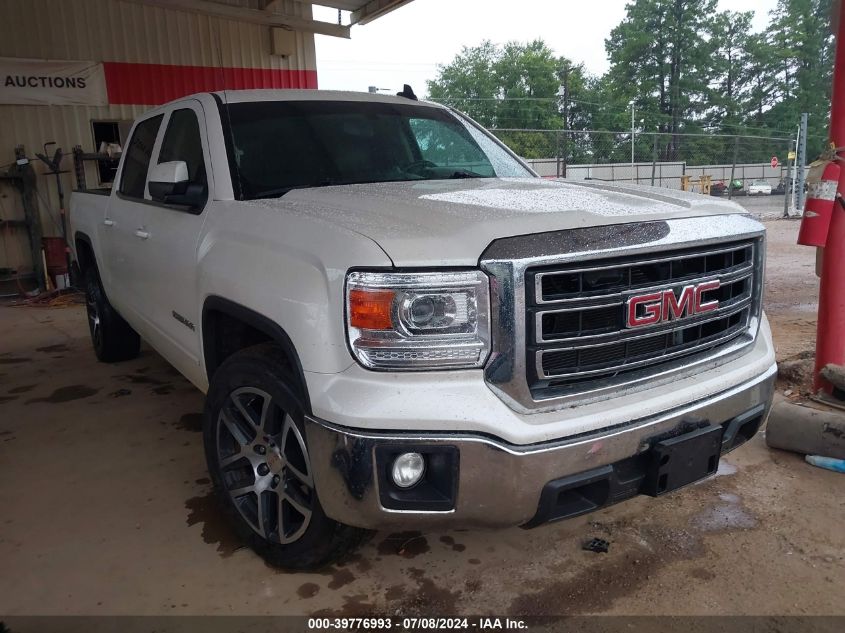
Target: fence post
557, 155
787, 180
563, 75
654, 160
633, 138
565, 157
733, 169
800, 163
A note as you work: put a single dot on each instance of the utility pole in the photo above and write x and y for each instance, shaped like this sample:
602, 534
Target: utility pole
564, 144
633, 106
794, 173
800, 164
654, 160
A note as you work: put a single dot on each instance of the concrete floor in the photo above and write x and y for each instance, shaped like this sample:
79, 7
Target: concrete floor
107, 510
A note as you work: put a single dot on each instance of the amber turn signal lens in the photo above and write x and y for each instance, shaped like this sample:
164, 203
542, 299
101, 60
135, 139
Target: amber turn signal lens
371, 309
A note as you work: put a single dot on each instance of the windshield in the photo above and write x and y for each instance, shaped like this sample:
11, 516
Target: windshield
277, 146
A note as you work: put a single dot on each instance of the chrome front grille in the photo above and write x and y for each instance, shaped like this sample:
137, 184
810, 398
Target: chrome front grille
578, 280
577, 315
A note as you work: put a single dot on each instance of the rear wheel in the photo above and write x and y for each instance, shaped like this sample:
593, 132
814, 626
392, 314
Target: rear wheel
113, 338
260, 465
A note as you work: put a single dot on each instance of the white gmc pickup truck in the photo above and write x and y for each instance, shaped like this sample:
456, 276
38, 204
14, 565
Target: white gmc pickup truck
399, 325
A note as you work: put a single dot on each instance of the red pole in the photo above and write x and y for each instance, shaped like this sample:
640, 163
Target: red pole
830, 338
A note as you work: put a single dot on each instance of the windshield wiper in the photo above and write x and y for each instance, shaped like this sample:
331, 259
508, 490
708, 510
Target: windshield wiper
280, 191
465, 173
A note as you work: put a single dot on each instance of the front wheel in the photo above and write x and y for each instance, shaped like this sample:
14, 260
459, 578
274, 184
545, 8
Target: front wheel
259, 462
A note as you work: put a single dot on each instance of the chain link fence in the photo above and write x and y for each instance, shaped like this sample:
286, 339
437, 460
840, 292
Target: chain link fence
664, 160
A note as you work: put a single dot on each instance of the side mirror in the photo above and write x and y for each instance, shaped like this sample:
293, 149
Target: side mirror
166, 178
169, 184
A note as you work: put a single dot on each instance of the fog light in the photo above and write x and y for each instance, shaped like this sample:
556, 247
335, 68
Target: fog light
408, 469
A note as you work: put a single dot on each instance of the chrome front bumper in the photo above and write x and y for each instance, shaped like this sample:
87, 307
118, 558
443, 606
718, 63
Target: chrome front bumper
498, 484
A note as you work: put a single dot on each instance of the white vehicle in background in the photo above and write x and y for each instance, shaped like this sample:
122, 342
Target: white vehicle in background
399, 325
760, 187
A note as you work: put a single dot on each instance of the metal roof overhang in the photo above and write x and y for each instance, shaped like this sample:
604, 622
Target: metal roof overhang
271, 12
364, 11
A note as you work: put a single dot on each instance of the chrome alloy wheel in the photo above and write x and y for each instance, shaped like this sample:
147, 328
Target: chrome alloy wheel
265, 465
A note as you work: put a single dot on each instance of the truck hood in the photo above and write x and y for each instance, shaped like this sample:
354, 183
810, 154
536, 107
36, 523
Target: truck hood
451, 222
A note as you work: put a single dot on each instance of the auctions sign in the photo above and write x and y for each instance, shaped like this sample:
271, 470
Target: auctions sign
40, 82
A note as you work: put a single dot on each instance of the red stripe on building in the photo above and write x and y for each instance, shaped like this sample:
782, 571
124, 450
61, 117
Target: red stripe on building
154, 84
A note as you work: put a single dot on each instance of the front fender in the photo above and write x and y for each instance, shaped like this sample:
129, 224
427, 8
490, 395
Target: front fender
289, 269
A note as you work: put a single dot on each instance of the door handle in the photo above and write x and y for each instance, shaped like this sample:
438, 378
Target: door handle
142, 234
108, 222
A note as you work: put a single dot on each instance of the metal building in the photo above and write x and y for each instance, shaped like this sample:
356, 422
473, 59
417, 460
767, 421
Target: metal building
77, 72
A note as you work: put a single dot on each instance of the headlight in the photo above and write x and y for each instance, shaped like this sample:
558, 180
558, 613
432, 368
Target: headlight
418, 320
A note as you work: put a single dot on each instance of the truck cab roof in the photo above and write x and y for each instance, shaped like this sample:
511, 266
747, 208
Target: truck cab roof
246, 96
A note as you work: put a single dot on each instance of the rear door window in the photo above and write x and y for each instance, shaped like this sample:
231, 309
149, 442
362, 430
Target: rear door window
133, 182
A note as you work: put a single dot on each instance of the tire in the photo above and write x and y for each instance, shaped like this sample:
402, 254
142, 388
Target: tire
113, 339
258, 461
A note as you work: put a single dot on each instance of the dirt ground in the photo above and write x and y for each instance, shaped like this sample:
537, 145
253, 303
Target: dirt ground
791, 302
106, 509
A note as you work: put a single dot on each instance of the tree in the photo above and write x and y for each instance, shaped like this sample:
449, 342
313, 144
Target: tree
801, 44
730, 33
659, 55
607, 110
761, 92
527, 75
514, 86
469, 83
684, 66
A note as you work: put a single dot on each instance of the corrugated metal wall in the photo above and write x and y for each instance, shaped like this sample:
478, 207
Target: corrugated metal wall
102, 31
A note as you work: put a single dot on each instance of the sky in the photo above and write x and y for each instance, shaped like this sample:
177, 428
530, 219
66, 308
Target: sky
406, 46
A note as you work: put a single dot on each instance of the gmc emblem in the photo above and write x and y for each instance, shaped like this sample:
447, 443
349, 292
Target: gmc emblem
657, 307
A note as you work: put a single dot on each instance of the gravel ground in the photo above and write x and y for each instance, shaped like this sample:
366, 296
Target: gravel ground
768, 207
791, 300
